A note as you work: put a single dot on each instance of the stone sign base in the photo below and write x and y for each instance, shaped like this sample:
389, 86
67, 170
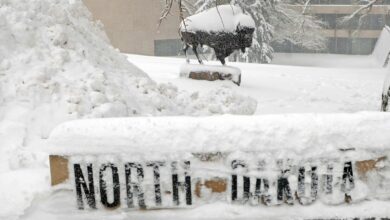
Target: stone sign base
211, 72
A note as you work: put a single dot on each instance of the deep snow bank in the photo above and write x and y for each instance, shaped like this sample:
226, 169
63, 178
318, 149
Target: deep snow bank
54, 53
305, 135
56, 64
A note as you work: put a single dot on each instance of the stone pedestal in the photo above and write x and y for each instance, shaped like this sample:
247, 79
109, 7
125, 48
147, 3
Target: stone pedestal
211, 72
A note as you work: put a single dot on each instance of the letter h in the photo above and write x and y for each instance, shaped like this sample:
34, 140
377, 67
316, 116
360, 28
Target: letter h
176, 184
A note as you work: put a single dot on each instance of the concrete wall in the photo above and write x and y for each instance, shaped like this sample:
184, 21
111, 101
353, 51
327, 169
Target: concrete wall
132, 25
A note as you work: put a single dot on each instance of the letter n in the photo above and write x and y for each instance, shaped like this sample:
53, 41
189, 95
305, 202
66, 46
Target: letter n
81, 185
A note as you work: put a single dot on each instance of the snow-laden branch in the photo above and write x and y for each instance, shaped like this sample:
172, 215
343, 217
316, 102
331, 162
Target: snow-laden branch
305, 6
166, 11
185, 6
364, 9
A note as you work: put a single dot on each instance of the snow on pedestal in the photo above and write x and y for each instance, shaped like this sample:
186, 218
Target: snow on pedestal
211, 72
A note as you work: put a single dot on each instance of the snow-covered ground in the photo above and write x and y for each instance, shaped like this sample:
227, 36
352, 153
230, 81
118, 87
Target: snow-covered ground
56, 65
319, 83
294, 83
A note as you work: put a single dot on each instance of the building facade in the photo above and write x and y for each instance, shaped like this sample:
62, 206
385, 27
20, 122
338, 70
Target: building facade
353, 37
132, 26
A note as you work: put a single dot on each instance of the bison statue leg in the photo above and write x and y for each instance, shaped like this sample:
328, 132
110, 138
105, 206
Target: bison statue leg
185, 48
222, 59
194, 46
220, 56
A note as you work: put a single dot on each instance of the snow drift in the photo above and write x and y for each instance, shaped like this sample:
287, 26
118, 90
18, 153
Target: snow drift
56, 54
57, 65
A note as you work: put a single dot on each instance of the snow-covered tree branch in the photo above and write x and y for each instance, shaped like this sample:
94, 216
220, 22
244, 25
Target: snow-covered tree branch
184, 6
298, 27
362, 10
275, 22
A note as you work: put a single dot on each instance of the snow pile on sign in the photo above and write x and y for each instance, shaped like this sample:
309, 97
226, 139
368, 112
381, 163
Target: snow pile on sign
56, 64
300, 135
224, 18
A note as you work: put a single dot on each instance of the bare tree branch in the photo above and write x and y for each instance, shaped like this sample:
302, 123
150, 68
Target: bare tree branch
166, 11
361, 13
365, 9
305, 6
185, 6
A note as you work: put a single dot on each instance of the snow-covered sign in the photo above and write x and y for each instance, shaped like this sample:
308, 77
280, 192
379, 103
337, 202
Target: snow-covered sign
182, 162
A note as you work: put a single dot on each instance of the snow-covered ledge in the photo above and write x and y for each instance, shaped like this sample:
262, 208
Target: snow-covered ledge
309, 135
345, 156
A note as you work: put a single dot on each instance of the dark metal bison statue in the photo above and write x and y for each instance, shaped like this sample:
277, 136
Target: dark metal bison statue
224, 28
